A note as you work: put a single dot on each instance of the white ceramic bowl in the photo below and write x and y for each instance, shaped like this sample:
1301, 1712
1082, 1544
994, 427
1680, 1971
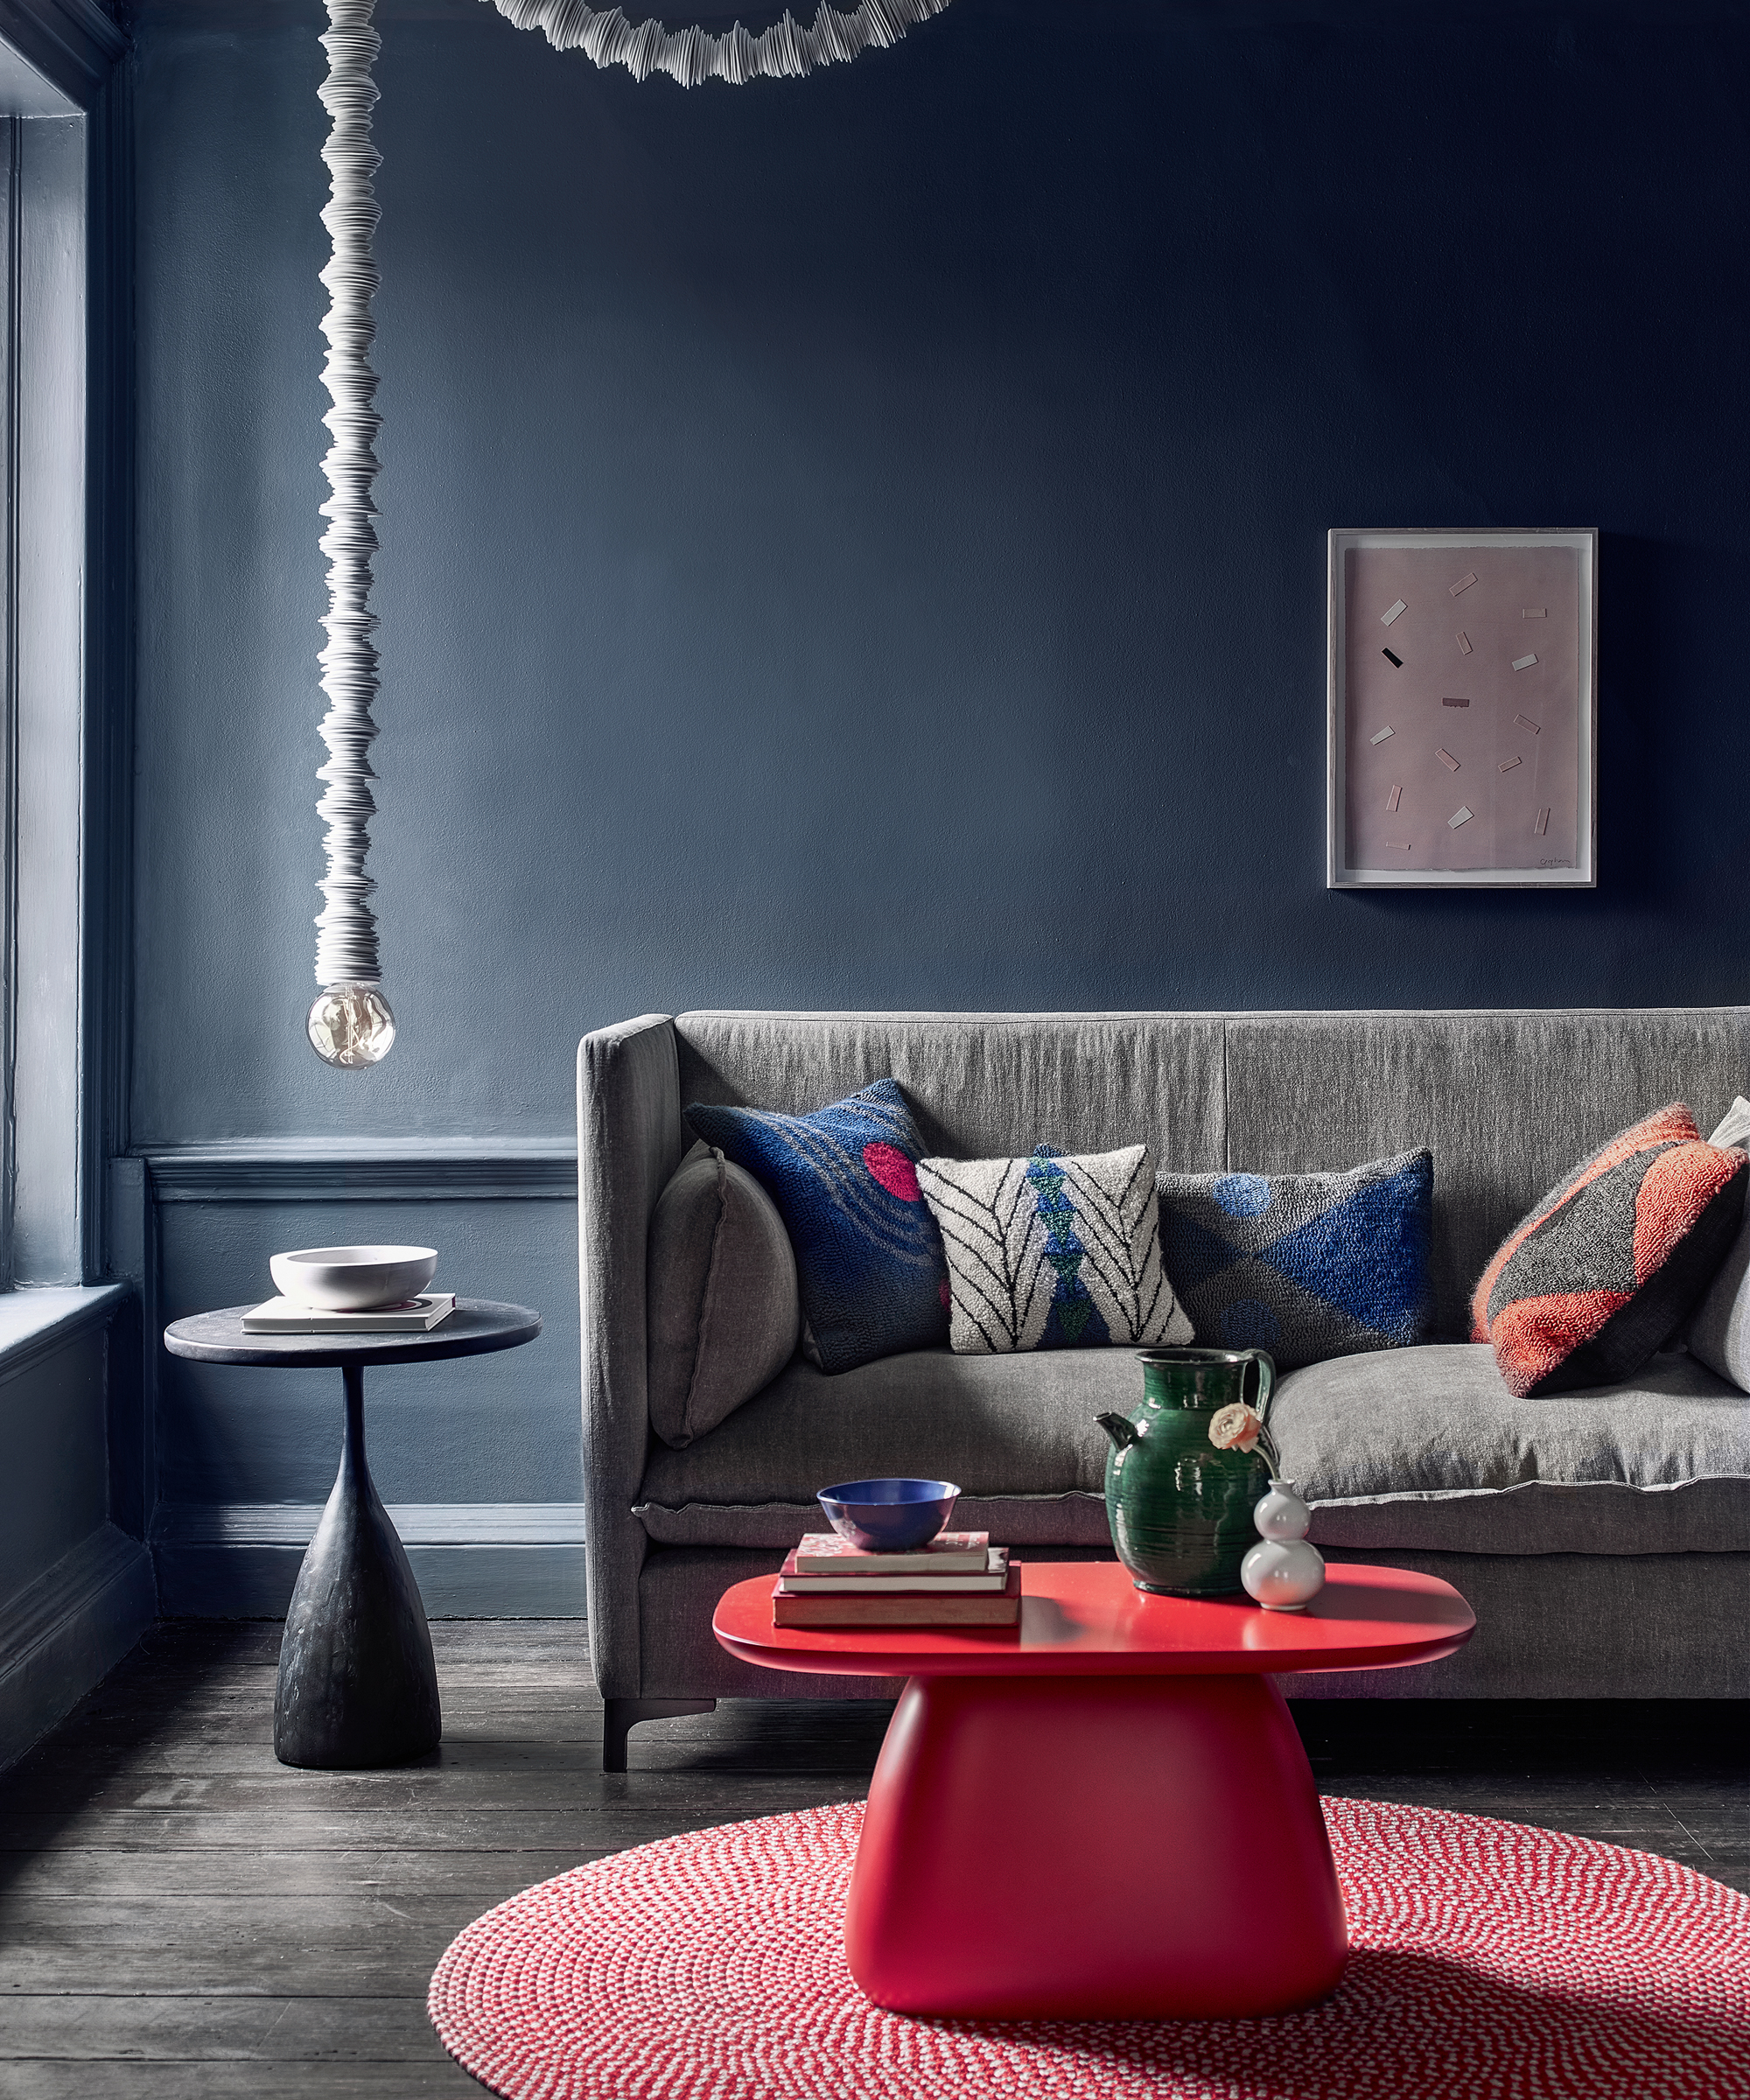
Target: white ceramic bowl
354, 1279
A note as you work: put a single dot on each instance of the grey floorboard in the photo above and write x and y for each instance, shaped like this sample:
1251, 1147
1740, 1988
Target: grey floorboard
181, 1915
492, 1876
242, 2078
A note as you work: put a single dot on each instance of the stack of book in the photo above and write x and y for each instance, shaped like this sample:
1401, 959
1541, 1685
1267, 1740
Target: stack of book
958, 1579
418, 1316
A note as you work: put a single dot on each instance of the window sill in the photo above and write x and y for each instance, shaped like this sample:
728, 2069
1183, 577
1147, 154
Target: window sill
37, 1320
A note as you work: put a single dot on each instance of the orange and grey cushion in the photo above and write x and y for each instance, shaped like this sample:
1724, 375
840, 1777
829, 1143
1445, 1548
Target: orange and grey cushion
1605, 1268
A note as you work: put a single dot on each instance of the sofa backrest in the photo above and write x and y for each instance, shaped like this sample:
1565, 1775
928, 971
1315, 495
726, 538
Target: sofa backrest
1508, 1102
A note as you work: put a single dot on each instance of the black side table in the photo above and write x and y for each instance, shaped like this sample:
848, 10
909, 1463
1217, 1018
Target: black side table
358, 1686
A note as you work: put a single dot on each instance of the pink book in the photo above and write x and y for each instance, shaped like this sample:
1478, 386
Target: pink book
949, 1553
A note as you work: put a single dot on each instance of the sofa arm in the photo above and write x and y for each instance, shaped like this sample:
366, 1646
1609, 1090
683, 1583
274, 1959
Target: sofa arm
629, 1143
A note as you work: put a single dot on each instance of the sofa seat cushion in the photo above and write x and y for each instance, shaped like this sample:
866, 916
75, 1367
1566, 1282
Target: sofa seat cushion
1428, 1448
1016, 1431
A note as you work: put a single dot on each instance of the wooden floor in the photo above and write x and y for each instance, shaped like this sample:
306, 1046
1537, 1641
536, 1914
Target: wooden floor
181, 1915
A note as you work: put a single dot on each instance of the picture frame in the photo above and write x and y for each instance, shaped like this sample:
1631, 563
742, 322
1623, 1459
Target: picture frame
1462, 709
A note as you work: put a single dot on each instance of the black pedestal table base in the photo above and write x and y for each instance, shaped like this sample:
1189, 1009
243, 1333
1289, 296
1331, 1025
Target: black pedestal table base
358, 1686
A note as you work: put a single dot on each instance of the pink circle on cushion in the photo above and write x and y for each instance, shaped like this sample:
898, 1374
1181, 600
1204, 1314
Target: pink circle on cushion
711, 1966
893, 1171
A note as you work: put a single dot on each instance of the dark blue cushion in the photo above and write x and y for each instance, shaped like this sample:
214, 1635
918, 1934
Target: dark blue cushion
1307, 1266
869, 1258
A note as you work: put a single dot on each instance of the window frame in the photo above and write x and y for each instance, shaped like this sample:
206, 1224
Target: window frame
65, 634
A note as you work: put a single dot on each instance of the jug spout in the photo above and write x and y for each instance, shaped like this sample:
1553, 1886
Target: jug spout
1118, 1429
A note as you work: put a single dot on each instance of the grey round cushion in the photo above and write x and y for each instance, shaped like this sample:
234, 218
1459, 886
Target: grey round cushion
723, 1306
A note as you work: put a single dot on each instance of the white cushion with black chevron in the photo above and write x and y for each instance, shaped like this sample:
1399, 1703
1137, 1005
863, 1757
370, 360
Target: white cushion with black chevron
1052, 1253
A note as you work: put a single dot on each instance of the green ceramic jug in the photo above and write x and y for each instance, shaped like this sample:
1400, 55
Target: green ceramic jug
1180, 1510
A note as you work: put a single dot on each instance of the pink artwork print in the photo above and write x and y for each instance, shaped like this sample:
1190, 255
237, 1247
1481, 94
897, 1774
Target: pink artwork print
1485, 685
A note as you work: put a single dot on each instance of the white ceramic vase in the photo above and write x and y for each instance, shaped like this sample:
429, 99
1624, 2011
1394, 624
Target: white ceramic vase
1282, 1572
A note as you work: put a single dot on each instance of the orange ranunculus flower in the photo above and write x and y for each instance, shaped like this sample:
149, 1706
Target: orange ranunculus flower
1234, 1427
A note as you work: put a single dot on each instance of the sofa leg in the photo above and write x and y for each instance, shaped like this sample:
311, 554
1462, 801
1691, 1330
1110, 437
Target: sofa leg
619, 1715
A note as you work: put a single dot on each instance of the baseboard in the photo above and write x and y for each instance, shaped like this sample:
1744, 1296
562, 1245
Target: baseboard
471, 1560
67, 1630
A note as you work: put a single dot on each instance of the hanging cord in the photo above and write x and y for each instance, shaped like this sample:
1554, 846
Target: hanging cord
347, 935
350, 1024
785, 51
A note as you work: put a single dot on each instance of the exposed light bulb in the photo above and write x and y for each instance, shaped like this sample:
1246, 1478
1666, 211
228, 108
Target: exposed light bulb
351, 1026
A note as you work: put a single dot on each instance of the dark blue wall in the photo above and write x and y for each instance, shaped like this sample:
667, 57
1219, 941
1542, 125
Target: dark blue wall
861, 542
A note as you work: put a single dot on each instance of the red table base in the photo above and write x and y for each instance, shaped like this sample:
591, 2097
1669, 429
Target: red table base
1086, 1847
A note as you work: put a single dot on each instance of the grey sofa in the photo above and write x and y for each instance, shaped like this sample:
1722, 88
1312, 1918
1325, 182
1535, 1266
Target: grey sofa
1603, 1538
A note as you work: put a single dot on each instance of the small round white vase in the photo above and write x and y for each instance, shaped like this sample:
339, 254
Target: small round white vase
1282, 1572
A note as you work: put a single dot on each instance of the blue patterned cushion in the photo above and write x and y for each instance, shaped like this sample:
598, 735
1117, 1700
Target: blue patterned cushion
1307, 1266
869, 1258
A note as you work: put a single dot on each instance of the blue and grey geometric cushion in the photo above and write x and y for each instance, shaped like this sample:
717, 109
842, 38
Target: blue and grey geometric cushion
1307, 1266
869, 1261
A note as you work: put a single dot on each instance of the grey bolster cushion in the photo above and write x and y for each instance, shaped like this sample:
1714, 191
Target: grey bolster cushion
724, 1311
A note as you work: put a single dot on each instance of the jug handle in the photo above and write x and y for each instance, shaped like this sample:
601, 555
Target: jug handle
1266, 1384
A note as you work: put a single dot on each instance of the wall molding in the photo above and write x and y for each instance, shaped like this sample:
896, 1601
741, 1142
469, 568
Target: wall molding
66, 1630
419, 1524
445, 1171
471, 1560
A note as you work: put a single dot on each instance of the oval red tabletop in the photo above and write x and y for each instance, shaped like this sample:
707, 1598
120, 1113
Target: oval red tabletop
1086, 1619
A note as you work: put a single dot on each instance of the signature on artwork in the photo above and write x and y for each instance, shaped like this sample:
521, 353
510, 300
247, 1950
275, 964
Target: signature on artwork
1555, 863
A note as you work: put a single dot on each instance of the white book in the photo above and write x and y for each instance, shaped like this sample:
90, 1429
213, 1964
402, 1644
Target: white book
994, 1577
418, 1316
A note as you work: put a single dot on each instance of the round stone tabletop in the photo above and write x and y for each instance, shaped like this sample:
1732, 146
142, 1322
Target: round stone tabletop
476, 1328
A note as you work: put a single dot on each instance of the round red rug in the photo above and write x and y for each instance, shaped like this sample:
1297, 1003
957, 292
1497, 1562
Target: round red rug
1491, 1962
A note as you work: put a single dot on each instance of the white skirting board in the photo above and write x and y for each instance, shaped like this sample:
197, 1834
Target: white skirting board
471, 1560
68, 1629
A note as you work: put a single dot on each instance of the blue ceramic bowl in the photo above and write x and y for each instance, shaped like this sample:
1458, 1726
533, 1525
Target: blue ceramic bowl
889, 1517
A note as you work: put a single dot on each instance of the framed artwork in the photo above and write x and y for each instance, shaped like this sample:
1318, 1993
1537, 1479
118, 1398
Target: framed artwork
1463, 711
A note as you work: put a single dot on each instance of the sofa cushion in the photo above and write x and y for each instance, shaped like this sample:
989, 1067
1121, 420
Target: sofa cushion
1602, 1272
869, 1258
1428, 1448
1719, 1333
1306, 1266
1733, 1128
1719, 1328
1052, 1252
724, 1313
1016, 1432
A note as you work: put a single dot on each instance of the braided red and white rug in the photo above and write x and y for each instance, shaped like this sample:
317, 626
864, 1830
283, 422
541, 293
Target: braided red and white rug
1491, 1962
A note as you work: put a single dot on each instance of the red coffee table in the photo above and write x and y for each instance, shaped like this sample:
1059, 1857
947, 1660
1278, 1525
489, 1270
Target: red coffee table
1105, 1813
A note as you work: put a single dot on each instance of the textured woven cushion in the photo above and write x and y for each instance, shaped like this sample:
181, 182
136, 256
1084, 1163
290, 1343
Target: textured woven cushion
724, 1313
1719, 1333
1307, 1266
868, 1259
1584, 1289
1052, 1253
